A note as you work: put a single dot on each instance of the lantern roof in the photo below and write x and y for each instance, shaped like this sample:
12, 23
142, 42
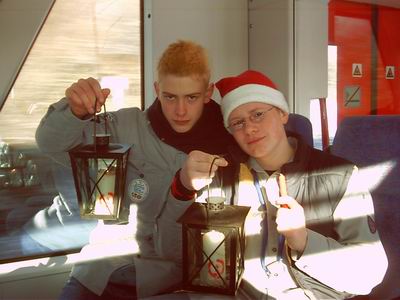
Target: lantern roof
110, 149
230, 216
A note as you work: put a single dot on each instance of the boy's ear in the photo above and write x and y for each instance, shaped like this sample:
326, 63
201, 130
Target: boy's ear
284, 116
209, 92
157, 88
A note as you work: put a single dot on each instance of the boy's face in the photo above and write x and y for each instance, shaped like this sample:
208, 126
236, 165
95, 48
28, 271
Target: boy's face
262, 137
182, 100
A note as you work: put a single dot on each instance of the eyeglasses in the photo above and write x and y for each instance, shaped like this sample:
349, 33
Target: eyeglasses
255, 117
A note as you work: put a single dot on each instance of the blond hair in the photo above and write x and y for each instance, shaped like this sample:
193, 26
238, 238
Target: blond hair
184, 58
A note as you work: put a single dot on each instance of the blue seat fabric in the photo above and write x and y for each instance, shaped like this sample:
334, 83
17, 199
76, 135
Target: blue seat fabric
301, 125
374, 141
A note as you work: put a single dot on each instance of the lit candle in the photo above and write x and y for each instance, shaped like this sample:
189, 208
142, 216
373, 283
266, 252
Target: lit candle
105, 203
209, 274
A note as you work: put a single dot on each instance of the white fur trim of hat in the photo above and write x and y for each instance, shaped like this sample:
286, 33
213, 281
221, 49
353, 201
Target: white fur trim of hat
250, 86
252, 93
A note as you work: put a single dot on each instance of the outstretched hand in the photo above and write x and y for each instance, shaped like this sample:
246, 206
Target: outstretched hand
199, 169
290, 219
82, 97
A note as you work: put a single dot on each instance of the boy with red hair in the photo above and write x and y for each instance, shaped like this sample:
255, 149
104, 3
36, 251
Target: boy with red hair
182, 118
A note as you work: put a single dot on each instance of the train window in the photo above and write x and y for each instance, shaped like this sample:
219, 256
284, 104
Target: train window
101, 39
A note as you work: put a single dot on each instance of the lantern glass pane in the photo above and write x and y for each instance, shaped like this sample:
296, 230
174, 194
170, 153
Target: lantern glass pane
213, 248
240, 248
97, 187
103, 199
100, 181
210, 256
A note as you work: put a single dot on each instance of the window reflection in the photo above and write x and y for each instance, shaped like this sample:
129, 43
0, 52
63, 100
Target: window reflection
39, 214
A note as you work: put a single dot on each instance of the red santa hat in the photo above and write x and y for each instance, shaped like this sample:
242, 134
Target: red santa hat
250, 86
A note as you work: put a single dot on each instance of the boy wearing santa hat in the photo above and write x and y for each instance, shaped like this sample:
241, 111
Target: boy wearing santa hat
310, 232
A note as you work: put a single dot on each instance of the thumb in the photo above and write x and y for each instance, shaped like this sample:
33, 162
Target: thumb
282, 185
282, 188
220, 162
106, 92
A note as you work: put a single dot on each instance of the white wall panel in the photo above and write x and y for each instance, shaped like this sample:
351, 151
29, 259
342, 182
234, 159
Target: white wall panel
288, 41
270, 40
311, 53
219, 25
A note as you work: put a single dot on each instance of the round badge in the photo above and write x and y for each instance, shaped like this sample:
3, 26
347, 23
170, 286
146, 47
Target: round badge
138, 190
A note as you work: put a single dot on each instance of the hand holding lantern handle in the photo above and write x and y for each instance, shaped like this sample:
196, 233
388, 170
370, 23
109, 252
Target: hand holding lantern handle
85, 97
199, 169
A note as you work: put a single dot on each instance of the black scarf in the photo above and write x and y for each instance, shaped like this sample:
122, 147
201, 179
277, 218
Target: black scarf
208, 134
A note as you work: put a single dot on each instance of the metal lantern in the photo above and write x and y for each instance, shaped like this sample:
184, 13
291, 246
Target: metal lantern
99, 171
213, 246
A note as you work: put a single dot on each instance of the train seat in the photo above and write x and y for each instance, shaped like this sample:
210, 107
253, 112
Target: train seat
373, 144
301, 125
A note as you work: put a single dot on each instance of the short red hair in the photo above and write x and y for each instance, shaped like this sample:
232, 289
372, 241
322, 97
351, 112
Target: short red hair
184, 58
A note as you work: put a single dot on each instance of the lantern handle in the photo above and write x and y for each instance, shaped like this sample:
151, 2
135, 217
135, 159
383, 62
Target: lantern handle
209, 175
95, 121
105, 118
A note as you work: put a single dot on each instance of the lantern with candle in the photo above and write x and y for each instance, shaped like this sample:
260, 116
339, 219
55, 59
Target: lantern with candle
99, 171
213, 246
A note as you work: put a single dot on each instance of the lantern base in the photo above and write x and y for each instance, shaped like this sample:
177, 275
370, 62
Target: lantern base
121, 219
210, 290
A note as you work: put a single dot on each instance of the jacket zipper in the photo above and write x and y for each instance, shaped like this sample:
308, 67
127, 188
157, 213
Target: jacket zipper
289, 259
